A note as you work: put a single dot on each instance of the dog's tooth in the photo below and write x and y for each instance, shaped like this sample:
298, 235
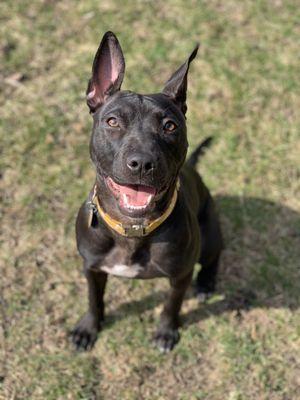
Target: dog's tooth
125, 199
132, 207
149, 199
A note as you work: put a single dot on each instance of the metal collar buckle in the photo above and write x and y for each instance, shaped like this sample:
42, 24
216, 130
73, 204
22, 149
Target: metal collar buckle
135, 231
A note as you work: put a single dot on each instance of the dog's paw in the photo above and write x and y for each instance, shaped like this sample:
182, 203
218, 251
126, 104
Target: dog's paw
85, 333
165, 339
203, 293
203, 296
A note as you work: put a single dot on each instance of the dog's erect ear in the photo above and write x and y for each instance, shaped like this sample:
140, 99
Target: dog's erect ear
107, 73
176, 86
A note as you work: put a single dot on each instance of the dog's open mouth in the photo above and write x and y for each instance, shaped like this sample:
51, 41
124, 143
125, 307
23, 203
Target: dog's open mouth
132, 197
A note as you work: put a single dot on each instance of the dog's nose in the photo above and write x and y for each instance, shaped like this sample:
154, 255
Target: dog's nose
140, 163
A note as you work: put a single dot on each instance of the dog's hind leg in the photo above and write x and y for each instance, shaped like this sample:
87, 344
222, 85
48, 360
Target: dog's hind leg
211, 247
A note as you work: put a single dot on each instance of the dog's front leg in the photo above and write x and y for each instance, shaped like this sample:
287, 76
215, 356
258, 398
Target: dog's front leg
86, 331
167, 334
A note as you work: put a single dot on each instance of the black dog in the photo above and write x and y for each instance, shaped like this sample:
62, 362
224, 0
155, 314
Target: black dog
148, 215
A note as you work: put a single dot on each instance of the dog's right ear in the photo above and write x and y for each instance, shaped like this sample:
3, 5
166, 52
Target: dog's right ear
107, 73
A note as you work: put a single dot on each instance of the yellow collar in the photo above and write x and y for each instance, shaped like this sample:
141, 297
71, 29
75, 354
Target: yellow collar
134, 230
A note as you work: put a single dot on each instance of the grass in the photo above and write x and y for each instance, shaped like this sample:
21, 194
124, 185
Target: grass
243, 89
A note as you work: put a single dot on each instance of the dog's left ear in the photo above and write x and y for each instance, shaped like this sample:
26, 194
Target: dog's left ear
107, 73
176, 86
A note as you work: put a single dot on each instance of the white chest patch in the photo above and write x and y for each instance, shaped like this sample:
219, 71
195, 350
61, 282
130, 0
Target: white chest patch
123, 270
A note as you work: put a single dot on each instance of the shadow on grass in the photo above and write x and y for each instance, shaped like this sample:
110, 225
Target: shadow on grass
259, 267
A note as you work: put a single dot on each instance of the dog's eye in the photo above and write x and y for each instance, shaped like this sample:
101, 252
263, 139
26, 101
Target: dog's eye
170, 126
113, 122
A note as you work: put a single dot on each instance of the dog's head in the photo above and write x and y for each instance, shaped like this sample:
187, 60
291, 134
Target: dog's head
139, 142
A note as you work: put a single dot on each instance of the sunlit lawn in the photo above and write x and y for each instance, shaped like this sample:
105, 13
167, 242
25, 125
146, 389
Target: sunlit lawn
244, 90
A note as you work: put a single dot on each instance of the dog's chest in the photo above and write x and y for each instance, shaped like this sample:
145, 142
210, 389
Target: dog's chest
126, 271
126, 262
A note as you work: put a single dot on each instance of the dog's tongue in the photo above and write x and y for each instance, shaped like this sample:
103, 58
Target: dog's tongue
136, 195
132, 195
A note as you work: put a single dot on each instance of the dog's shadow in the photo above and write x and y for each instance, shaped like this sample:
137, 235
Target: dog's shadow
260, 264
